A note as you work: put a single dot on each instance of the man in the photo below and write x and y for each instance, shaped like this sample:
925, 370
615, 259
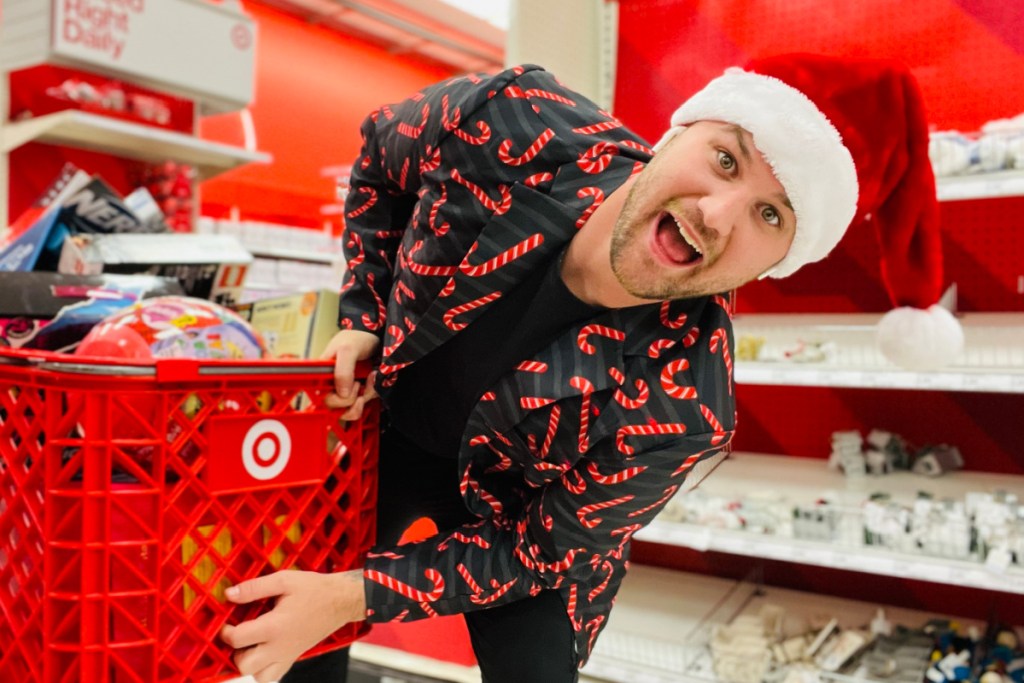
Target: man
548, 306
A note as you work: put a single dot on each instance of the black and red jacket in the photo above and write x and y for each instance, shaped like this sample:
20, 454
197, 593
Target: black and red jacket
458, 194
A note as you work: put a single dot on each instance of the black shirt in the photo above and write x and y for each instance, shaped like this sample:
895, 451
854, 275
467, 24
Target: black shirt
434, 396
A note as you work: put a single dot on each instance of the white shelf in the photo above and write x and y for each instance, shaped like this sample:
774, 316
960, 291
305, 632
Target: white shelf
992, 360
294, 254
980, 186
803, 480
126, 139
1003, 380
678, 608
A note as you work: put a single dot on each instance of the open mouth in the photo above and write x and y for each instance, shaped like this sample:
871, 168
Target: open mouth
675, 243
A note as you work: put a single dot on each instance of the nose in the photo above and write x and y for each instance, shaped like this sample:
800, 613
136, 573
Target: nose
721, 209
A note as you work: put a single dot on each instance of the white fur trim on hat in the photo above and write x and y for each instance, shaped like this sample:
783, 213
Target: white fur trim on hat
920, 339
805, 151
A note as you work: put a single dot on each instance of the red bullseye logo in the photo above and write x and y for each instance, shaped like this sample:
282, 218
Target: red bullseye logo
266, 449
241, 36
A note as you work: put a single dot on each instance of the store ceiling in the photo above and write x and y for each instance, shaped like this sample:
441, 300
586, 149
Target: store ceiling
429, 29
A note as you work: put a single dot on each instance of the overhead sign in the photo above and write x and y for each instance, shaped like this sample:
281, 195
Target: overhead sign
187, 47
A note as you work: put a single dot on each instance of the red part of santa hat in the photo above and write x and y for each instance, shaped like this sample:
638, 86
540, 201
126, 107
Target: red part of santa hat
810, 116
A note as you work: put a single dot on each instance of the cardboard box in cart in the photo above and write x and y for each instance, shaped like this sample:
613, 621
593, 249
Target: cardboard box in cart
116, 540
297, 325
208, 266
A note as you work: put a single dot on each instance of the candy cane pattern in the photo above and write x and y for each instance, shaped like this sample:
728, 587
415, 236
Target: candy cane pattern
504, 462
674, 324
468, 578
643, 393
659, 345
612, 479
602, 330
720, 432
410, 131
354, 241
558, 567
598, 128
587, 387
405, 590
397, 618
499, 206
387, 554
431, 161
398, 335
517, 92
386, 369
534, 402
500, 590
439, 230
546, 521
448, 288
627, 533
403, 175
636, 145
367, 205
502, 259
596, 159
645, 430
476, 540
428, 610
689, 462
594, 626
489, 396
583, 193
369, 322
570, 608
574, 487
669, 492
591, 522
724, 303
532, 366
669, 385
538, 178
403, 290
691, 337
606, 566
468, 483
452, 313
531, 152
720, 339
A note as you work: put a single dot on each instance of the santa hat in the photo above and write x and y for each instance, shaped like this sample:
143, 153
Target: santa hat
848, 140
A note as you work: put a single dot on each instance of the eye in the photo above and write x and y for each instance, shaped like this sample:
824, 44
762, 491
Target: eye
726, 161
771, 216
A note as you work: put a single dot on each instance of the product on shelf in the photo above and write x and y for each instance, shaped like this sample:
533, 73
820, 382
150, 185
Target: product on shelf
210, 267
54, 311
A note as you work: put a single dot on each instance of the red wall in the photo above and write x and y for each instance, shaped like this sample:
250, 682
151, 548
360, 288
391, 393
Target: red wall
313, 88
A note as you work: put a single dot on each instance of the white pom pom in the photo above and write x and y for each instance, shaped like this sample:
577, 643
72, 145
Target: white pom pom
919, 339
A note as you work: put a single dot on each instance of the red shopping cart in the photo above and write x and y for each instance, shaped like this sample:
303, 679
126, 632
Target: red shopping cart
133, 494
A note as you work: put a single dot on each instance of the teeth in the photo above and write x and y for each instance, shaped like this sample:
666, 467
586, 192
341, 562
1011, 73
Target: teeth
686, 237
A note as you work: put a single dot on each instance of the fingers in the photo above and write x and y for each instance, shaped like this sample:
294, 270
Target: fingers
259, 588
336, 401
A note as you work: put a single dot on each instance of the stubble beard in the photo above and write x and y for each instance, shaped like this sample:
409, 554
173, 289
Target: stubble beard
637, 271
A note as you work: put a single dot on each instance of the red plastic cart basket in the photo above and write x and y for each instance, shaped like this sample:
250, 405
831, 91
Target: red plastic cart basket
132, 494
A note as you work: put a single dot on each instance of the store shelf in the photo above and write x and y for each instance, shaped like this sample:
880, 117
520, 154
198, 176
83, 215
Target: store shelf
980, 186
992, 360
1005, 380
800, 481
664, 609
294, 254
126, 139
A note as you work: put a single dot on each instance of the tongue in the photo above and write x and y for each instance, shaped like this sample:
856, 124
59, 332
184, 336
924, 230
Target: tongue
672, 243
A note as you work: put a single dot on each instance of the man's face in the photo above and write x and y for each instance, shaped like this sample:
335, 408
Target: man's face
705, 216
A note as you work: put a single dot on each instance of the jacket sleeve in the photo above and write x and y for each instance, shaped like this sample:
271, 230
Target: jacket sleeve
398, 142
569, 528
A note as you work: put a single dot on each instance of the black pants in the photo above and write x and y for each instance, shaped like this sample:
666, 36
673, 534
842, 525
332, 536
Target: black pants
528, 640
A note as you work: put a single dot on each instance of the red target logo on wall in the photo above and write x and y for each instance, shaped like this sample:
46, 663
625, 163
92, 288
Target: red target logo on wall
241, 36
256, 451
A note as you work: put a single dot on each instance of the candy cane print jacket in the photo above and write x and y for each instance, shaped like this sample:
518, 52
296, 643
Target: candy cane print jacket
459, 192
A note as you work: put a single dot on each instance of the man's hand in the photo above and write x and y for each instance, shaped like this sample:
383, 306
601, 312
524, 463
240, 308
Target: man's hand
310, 606
347, 348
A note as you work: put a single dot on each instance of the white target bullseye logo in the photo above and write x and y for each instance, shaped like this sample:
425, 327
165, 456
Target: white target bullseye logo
266, 449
